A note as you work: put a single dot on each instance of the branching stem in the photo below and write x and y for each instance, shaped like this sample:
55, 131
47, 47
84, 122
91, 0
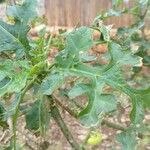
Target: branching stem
75, 115
104, 121
60, 122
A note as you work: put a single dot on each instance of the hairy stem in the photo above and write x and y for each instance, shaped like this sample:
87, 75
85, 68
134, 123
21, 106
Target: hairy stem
60, 122
72, 113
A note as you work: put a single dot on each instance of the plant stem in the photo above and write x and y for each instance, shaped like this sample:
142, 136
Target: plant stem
57, 101
104, 121
60, 122
113, 125
15, 116
142, 16
75, 115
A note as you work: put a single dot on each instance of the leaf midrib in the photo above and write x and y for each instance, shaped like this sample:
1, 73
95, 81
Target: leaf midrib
15, 39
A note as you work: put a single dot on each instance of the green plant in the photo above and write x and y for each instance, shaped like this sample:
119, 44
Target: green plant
132, 37
1, 1
24, 68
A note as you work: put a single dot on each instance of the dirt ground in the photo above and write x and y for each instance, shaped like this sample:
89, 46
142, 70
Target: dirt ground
54, 139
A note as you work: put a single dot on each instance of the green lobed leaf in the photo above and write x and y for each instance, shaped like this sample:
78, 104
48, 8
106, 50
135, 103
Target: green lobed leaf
3, 123
113, 77
83, 70
79, 40
137, 113
24, 12
9, 42
78, 90
127, 140
51, 83
116, 3
110, 13
111, 74
13, 37
13, 76
13, 107
98, 105
123, 57
37, 118
146, 98
143, 96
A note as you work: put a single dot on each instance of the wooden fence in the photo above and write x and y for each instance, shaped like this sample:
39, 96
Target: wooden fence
72, 12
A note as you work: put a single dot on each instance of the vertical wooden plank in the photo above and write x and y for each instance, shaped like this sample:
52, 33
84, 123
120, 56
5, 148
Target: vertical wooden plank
76, 13
71, 12
87, 11
67, 12
50, 12
60, 13
83, 4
